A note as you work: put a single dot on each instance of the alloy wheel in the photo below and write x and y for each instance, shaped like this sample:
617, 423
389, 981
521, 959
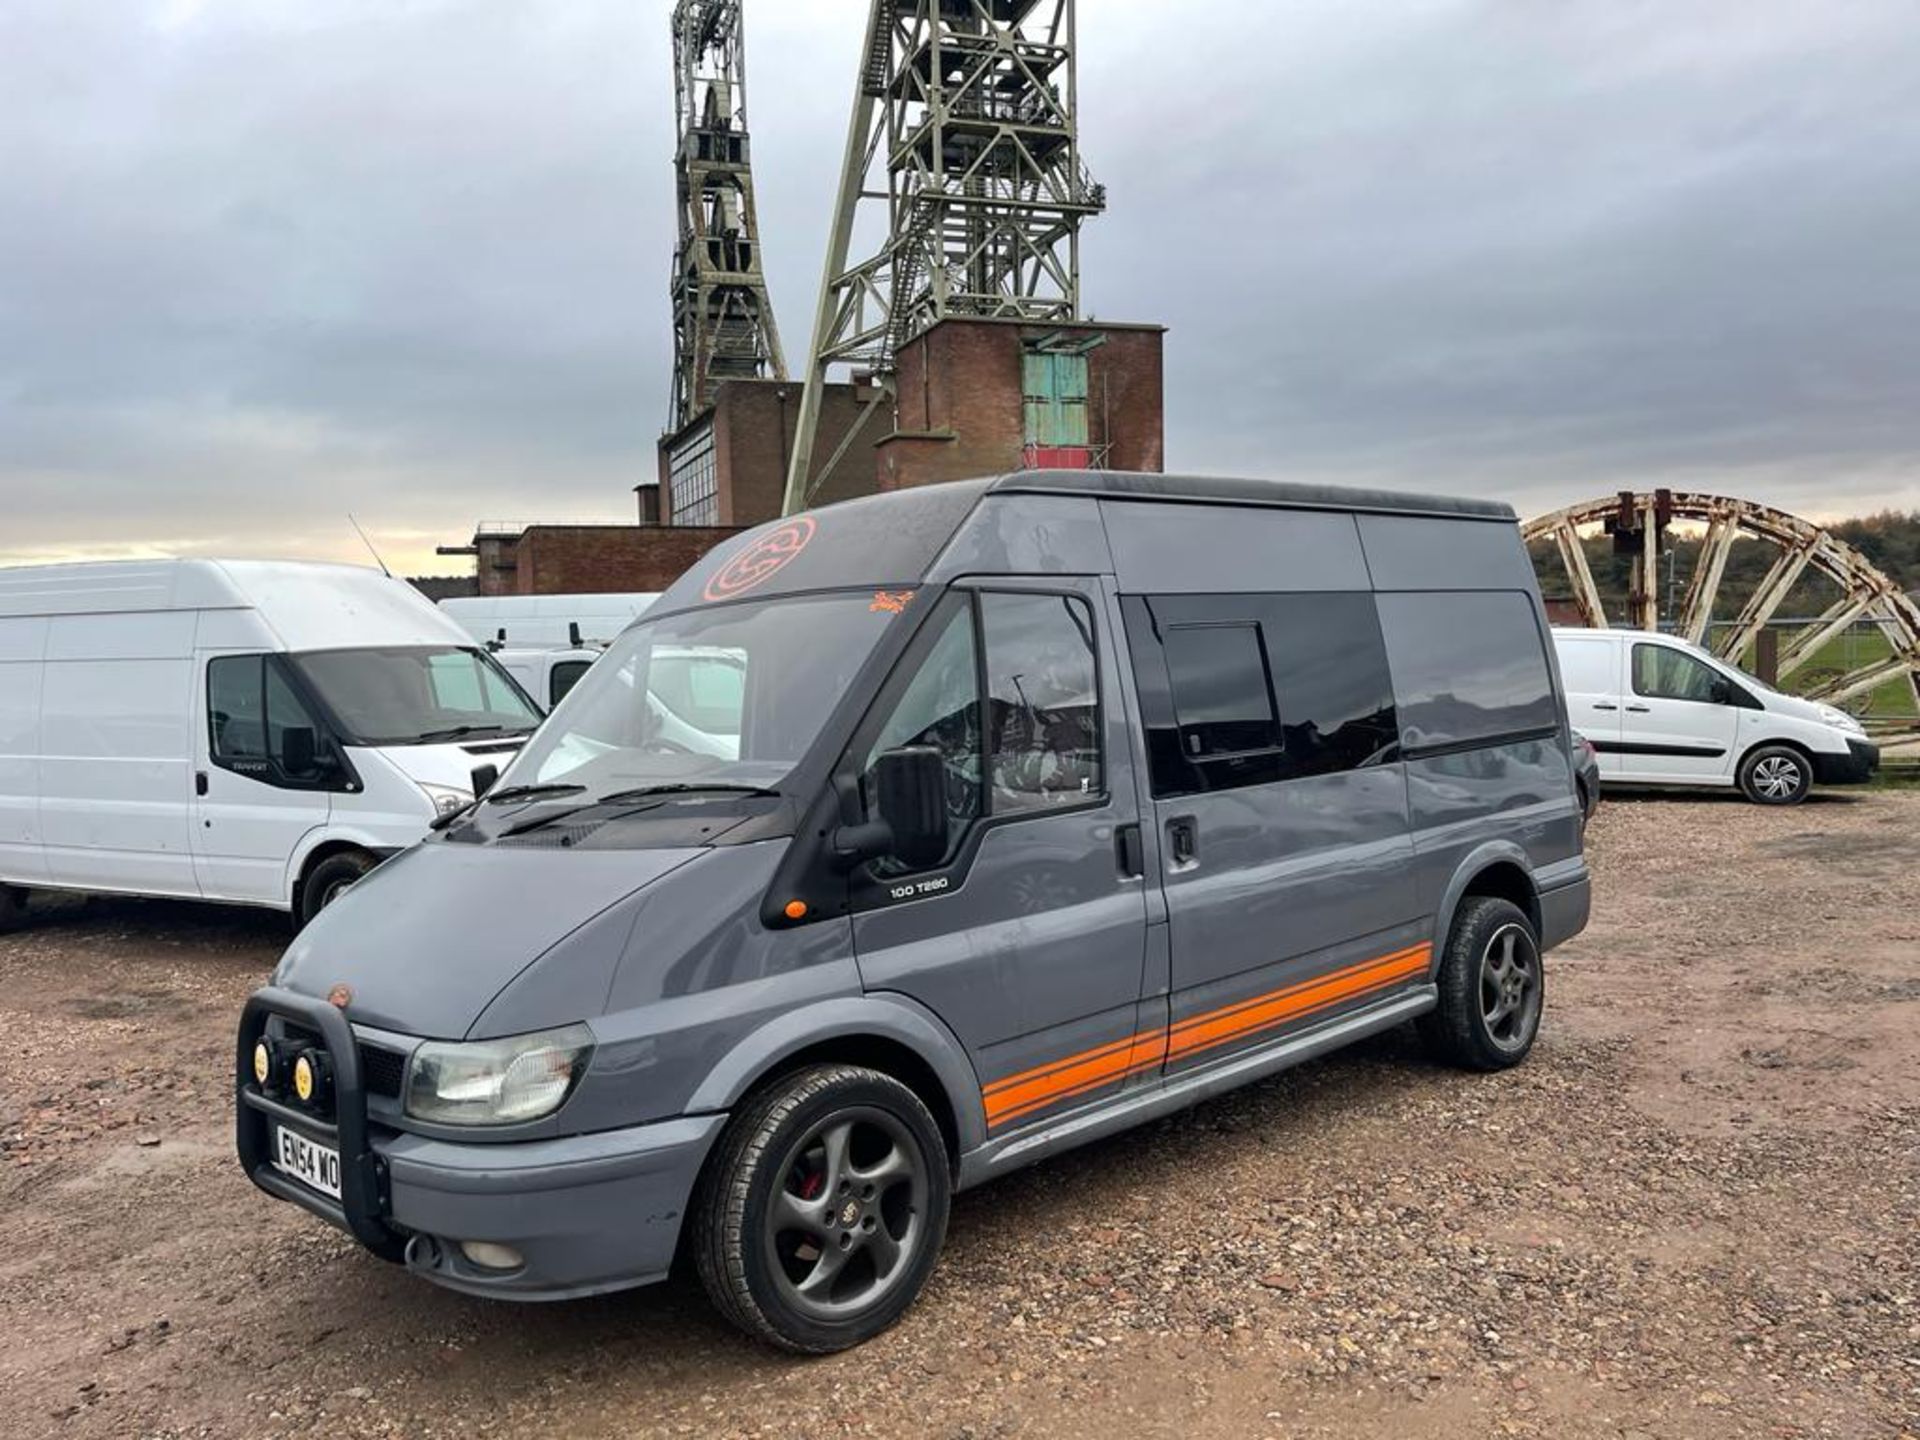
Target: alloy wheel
847, 1222
1510, 987
1778, 777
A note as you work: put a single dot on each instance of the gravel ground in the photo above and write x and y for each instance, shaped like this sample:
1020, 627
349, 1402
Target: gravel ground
1694, 1213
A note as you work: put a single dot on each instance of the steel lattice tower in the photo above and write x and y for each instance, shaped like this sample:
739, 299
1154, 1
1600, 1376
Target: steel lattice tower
722, 317
966, 125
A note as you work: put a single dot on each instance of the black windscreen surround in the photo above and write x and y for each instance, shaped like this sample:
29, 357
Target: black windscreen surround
1471, 668
1241, 690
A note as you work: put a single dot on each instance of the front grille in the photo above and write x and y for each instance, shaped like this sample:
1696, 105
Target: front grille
383, 1072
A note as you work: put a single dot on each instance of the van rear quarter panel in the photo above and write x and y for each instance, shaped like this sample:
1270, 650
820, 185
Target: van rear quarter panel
23, 645
1513, 797
116, 772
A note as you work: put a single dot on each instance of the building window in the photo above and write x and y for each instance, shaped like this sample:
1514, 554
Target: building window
693, 480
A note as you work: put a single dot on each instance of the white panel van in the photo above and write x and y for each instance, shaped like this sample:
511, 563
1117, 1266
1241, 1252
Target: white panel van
1662, 712
547, 675
242, 731
546, 622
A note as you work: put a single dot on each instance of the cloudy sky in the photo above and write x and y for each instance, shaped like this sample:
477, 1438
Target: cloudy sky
264, 262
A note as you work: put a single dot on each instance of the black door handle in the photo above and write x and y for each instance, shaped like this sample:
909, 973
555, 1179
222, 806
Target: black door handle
1639, 709
1604, 705
200, 782
1130, 851
1183, 840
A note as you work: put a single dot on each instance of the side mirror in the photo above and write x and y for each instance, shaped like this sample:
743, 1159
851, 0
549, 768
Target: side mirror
911, 796
299, 752
911, 786
484, 777
1720, 692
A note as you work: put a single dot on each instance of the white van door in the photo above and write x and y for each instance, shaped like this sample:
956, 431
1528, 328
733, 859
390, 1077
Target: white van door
258, 777
1592, 668
1680, 723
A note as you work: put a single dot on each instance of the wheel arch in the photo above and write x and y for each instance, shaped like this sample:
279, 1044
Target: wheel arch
317, 853
1775, 742
1498, 871
880, 1032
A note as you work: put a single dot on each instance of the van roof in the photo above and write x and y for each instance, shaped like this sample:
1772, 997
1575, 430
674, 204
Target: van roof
899, 538
1227, 490
308, 604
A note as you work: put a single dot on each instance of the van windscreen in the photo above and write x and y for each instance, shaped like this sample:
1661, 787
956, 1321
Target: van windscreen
731, 695
416, 695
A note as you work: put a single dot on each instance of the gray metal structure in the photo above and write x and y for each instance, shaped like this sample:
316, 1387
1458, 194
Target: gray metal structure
965, 128
1867, 595
723, 320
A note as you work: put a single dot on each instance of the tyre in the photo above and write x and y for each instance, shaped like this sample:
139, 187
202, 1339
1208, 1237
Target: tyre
1493, 988
329, 880
1776, 775
822, 1212
13, 908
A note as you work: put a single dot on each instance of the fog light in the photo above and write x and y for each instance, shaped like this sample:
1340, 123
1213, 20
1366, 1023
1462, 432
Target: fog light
263, 1065
489, 1256
312, 1077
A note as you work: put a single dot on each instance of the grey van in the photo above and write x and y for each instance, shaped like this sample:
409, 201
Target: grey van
977, 822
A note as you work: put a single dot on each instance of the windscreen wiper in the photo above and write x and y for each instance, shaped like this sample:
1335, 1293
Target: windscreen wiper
464, 732
647, 792
530, 792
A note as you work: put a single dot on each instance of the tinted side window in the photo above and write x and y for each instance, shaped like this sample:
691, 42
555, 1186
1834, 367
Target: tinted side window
236, 708
1243, 690
1470, 667
941, 709
1222, 693
1660, 673
1035, 745
1043, 702
565, 676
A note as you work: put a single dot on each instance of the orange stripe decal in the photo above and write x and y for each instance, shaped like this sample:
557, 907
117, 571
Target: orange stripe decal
1031, 1091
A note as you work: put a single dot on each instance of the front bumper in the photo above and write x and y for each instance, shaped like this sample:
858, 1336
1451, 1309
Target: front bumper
1856, 767
587, 1213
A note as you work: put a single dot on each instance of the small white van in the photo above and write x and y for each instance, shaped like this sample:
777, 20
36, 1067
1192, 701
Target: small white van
241, 731
547, 675
1662, 712
546, 622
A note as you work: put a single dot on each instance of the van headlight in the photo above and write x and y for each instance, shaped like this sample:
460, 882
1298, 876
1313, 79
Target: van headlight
445, 799
1840, 720
497, 1082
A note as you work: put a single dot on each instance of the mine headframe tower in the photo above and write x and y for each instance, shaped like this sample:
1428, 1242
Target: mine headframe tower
722, 318
966, 129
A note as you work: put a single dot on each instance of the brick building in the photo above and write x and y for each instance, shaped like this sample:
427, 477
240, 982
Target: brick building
972, 397
986, 397
586, 559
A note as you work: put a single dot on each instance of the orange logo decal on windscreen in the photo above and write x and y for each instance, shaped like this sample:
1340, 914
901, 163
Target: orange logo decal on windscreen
762, 560
891, 602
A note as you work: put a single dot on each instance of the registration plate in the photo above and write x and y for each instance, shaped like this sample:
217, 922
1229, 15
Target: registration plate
312, 1165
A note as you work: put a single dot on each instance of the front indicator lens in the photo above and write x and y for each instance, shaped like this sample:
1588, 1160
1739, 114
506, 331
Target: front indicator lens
446, 800
497, 1082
